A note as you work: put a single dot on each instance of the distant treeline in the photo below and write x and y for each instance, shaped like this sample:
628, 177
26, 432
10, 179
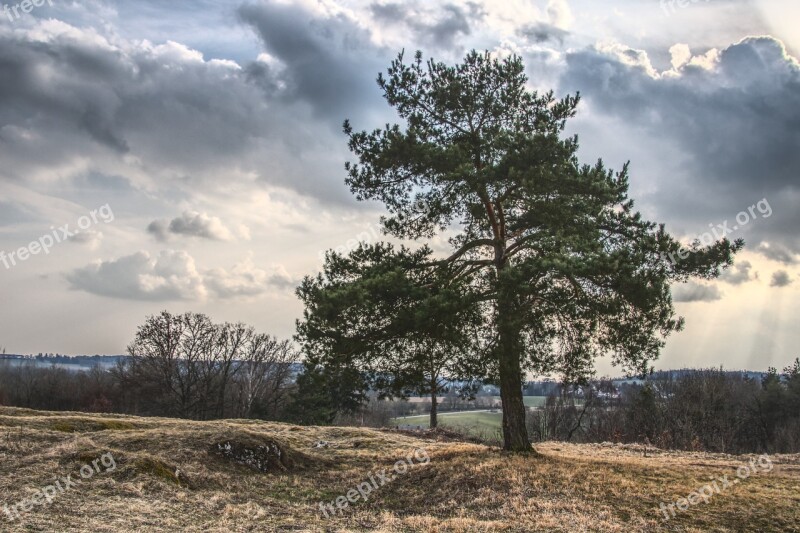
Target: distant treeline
83, 360
187, 366
704, 410
68, 362
182, 366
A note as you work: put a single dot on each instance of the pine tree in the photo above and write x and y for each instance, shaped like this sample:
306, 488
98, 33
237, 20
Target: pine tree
570, 269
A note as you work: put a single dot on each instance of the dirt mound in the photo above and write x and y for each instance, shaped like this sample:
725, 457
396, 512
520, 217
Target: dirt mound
144, 465
124, 466
259, 453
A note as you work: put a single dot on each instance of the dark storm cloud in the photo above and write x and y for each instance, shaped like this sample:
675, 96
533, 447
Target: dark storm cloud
440, 30
780, 278
695, 292
739, 273
163, 120
541, 32
33, 86
164, 112
777, 253
328, 61
113, 94
736, 125
444, 32
50, 89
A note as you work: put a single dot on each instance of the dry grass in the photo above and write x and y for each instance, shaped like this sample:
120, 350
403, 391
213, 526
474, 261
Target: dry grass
169, 478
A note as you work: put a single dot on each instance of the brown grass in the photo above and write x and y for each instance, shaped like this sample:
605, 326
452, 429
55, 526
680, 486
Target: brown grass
168, 478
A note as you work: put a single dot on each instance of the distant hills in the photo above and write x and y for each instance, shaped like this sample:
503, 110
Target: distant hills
68, 362
82, 363
537, 387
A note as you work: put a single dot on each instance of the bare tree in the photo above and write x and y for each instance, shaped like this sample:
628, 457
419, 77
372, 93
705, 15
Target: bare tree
169, 350
265, 369
187, 366
231, 347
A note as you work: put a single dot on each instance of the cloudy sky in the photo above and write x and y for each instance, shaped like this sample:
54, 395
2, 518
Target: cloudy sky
189, 155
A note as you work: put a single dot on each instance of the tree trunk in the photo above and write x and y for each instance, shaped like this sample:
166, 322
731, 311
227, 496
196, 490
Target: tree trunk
434, 423
515, 431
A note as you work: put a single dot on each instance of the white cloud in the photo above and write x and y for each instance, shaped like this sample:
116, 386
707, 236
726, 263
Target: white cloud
560, 14
173, 275
245, 279
194, 224
625, 55
681, 54
90, 238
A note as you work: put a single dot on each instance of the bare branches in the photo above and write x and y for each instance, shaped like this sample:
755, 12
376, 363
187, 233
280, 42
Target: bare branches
194, 368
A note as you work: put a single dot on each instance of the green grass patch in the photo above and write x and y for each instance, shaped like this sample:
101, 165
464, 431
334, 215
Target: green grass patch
530, 401
477, 424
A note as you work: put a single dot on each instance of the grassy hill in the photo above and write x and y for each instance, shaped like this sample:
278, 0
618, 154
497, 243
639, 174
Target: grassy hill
173, 475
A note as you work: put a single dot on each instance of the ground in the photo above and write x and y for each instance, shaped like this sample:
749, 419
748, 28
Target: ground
174, 475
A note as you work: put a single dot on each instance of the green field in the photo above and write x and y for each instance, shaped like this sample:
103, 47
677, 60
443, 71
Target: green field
475, 423
536, 401
479, 424
530, 401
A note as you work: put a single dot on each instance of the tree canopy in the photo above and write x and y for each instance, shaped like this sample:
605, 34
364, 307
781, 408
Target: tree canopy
406, 328
549, 250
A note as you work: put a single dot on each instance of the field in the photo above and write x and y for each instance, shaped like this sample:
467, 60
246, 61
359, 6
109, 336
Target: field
476, 423
173, 475
530, 401
481, 423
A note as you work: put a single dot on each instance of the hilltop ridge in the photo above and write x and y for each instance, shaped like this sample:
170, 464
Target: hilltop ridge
246, 475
